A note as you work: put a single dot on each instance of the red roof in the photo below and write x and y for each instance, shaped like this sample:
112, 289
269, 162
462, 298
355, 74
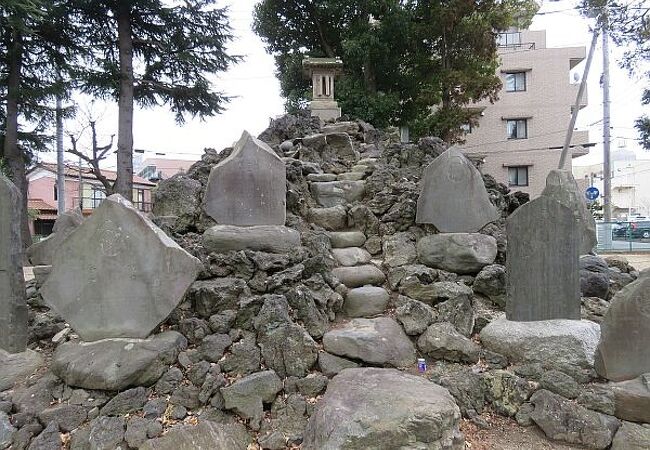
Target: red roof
40, 204
73, 172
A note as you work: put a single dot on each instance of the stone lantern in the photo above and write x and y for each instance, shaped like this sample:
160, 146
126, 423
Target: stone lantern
322, 72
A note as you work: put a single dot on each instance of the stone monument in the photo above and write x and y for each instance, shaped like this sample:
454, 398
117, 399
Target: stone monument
543, 280
118, 274
246, 196
322, 72
453, 196
623, 352
13, 304
562, 187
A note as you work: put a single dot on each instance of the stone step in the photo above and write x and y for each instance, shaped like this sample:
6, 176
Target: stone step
351, 176
332, 219
379, 341
332, 193
321, 177
358, 276
366, 301
351, 256
361, 168
342, 239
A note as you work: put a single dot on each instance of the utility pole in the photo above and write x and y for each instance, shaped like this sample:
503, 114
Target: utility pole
60, 168
607, 171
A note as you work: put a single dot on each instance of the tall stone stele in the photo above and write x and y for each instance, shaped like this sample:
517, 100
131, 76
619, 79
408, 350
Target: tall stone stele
246, 195
543, 281
13, 304
453, 196
322, 72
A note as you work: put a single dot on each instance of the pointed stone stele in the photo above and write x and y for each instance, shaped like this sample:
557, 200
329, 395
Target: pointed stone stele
453, 196
13, 303
118, 274
246, 195
248, 187
543, 281
562, 187
16, 361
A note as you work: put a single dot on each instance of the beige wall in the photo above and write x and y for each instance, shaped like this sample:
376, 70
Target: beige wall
546, 104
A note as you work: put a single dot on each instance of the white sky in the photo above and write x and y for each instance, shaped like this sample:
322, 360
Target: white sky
257, 94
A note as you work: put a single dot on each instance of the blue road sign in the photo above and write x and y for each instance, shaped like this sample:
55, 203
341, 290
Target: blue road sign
592, 193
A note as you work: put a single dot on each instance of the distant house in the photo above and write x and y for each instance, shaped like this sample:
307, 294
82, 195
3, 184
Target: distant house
156, 169
43, 195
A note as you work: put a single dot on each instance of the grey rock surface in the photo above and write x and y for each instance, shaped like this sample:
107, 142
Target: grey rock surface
351, 256
562, 187
248, 187
566, 345
632, 436
623, 352
288, 349
331, 365
376, 341
342, 239
491, 282
178, 197
247, 395
442, 341
115, 364
7, 431
359, 275
333, 193
205, 435
42, 253
265, 238
542, 266
453, 196
399, 249
414, 315
15, 367
332, 219
563, 420
118, 275
13, 304
383, 409
366, 301
632, 399
462, 253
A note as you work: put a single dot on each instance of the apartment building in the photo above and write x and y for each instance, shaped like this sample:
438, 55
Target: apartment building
520, 137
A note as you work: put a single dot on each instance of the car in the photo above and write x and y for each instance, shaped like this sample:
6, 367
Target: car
632, 230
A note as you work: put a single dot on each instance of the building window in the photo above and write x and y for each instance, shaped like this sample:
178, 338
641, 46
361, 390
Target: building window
515, 81
518, 176
517, 128
56, 193
508, 39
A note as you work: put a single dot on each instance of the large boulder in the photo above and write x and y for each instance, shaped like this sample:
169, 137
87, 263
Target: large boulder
563, 420
380, 341
453, 196
594, 277
118, 274
463, 253
383, 409
566, 345
178, 197
205, 435
623, 352
264, 238
632, 399
115, 364
16, 367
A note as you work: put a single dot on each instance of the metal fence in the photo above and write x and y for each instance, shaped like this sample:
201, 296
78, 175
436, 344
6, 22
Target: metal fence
623, 236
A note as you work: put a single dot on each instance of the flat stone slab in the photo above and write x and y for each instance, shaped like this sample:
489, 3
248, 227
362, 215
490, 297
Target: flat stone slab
334, 218
115, 364
463, 253
42, 253
342, 239
118, 274
359, 276
366, 301
17, 367
453, 196
13, 303
562, 187
373, 408
565, 345
332, 193
375, 341
632, 399
205, 435
543, 277
264, 238
249, 187
351, 256
624, 349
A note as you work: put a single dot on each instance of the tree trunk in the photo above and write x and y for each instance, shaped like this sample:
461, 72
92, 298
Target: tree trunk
12, 153
124, 181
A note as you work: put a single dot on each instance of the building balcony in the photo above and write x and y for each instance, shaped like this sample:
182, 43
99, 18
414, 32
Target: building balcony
574, 88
